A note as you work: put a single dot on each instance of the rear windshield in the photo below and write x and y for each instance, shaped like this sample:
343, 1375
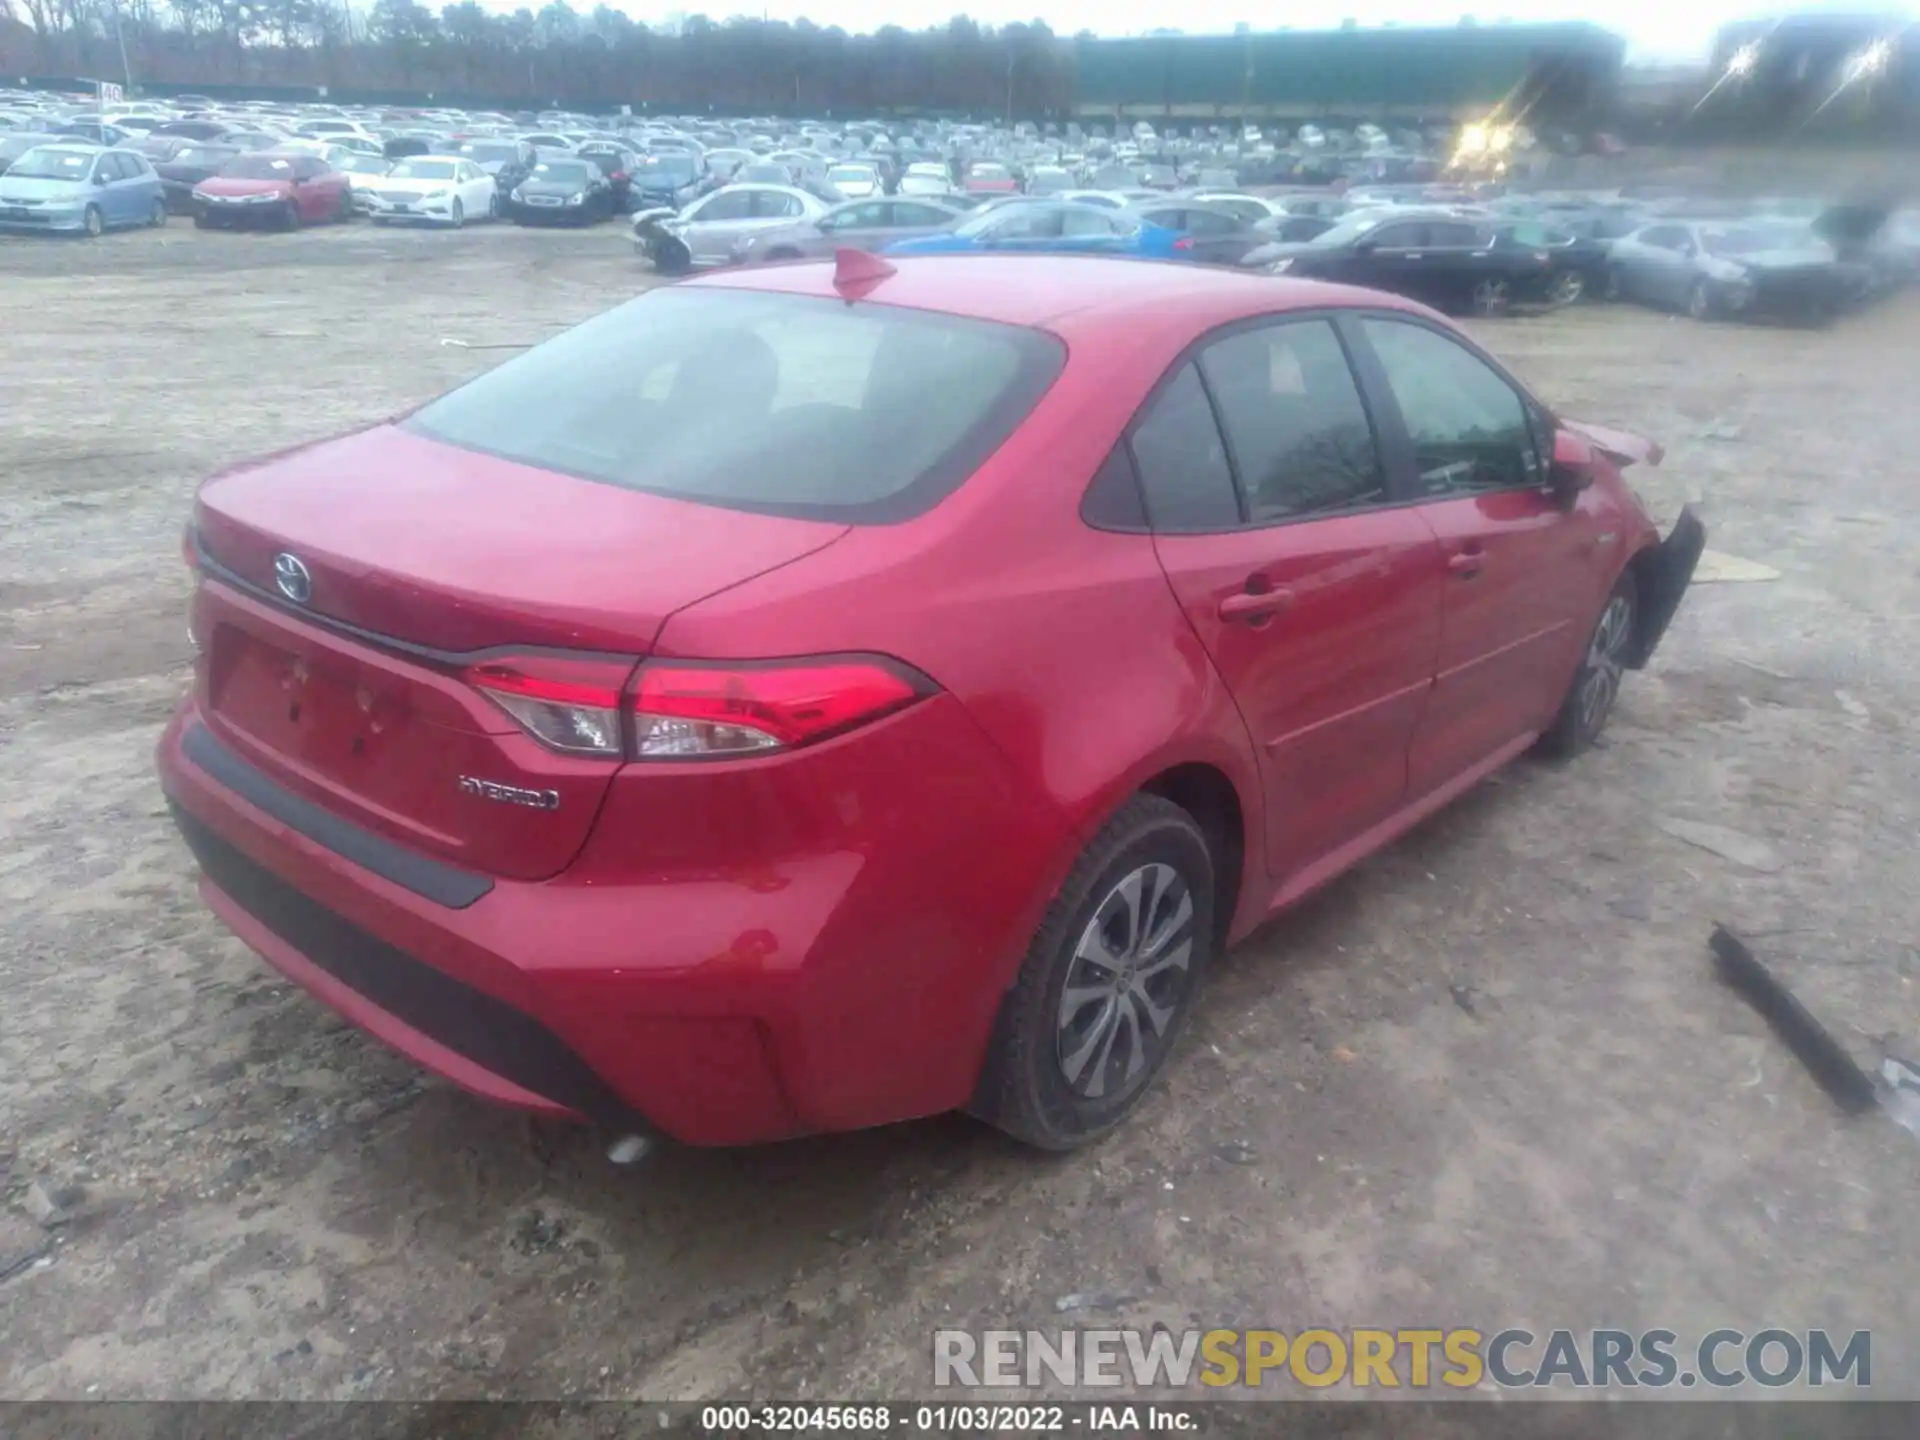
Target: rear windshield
788, 404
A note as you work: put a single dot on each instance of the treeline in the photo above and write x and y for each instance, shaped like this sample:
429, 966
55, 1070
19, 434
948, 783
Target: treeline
557, 55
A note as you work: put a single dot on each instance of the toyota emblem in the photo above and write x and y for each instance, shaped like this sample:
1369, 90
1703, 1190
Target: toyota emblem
291, 575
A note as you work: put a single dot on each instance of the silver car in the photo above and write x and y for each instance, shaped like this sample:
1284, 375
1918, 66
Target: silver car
1716, 269
706, 232
856, 225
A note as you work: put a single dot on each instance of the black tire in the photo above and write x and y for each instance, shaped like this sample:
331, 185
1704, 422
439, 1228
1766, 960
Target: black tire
92, 222
785, 252
458, 214
158, 218
290, 217
1596, 683
1700, 303
1569, 288
202, 222
493, 206
1043, 1082
343, 212
1613, 286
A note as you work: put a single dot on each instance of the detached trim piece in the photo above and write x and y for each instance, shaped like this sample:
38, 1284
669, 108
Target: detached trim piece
471, 1023
428, 878
1664, 577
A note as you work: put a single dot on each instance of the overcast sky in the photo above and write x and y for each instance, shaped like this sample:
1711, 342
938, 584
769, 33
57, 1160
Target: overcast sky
1654, 29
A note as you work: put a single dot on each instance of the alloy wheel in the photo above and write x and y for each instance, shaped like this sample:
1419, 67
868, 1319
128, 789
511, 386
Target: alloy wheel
92, 221
1606, 662
1126, 983
1569, 287
1490, 297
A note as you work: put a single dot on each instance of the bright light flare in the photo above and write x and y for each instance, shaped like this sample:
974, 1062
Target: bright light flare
1743, 60
1474, 140
1870, 62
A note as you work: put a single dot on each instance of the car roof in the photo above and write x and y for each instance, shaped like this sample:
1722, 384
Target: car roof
1068, 293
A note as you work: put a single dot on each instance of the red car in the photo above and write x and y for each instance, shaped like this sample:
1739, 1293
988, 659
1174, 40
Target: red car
815, 696
269, 188
988, 179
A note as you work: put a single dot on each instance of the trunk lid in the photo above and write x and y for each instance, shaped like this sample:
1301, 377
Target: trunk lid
412, 556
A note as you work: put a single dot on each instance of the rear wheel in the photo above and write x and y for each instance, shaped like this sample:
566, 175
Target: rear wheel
1108, 982
1492, 297
1568, 287
93, 222
202, 222
493, 206
1596, 685
159, 216
1615, 285
343, 212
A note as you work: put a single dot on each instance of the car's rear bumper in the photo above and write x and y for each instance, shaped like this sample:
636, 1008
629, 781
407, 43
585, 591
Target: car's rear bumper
1664, 577
843, 971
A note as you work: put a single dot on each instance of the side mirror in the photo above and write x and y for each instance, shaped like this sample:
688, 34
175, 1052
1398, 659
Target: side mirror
1571, 470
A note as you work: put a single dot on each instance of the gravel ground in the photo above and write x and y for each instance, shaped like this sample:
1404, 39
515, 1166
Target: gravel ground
1487, 1079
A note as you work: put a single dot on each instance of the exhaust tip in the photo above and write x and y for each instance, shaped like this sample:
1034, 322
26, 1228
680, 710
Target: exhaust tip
629, 1150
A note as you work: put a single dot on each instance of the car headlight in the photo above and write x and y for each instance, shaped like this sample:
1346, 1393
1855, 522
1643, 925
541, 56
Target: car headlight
516, 194
576, 199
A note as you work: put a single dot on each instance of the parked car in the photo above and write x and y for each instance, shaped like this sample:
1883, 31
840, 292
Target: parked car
1052, 226
194, 129
1713, 270
93, 131
80, 188
1219, 237
667, 178
854, 182
707, 231
194, 161
826, 758
507, 161
15, 143
928, 179
432, 189
1449, 261
856, 225
984, 177
561, 190
1248, 208
285, 190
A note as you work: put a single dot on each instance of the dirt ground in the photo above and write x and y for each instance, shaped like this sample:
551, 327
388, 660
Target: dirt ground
1489, 1079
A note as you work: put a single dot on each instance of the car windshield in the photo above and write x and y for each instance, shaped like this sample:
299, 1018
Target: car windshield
12, 145
359, 164
258, 167
1348, 230
782, 403
850, 172
487, 151
422, 170
989, 172
561, 172
984, 219
202, 155
51, 164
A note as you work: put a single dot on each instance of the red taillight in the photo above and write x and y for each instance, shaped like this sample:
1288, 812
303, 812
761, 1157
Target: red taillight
713, 711
569, 703
1185, 242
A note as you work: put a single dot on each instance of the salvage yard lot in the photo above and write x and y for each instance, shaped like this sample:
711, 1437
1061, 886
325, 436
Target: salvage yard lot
1486, 1080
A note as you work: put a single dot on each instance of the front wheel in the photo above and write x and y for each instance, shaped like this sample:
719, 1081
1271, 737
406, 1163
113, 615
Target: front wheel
290, 217
493, 206
158, 218
1108, 982
93, 222
1568, 287
1614, 287
1700, 301
1596, 685
458, 213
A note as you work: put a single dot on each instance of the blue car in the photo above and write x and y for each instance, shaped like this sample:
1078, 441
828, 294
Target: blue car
81, 189
1033, 227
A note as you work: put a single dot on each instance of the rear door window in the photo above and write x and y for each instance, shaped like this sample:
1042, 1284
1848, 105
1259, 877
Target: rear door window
788, 404
1299, 436
1182, 460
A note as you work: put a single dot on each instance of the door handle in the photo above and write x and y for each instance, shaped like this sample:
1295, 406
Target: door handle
1467, 563
1255, 607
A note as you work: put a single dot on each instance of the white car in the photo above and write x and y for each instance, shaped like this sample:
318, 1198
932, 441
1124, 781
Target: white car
439, 189
855, 182
926, 177
332, 129
363, 172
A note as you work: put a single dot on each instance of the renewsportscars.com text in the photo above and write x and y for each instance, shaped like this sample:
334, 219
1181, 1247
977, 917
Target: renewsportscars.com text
1416, 1359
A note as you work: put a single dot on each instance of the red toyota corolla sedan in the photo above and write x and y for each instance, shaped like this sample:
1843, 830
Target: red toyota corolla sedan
811, 697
